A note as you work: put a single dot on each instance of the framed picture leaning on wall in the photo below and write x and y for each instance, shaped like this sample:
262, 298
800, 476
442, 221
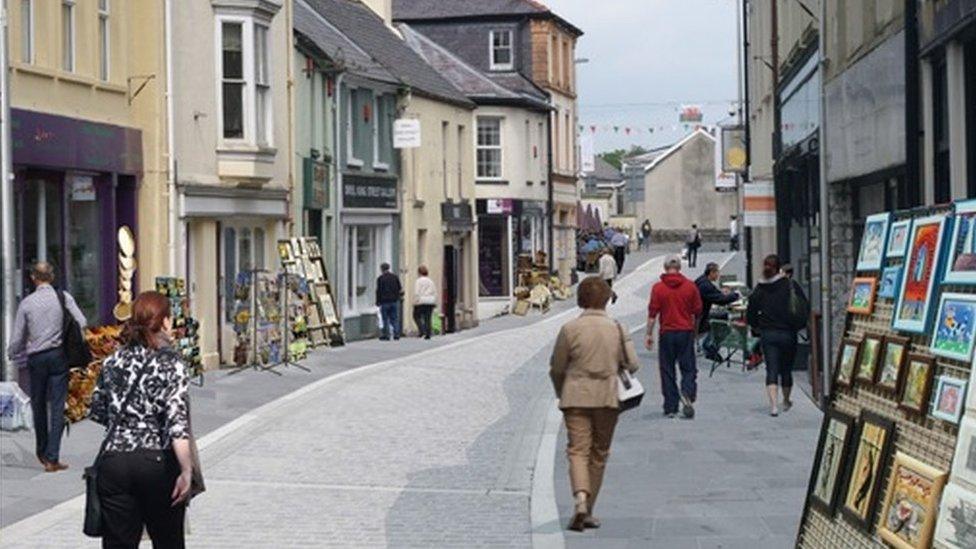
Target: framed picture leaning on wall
925, 254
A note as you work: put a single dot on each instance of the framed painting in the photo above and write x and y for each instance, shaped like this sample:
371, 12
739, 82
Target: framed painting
911, 504
956, 524
961, 263
892, 363
867, 359
284, 251
862, 295
846, 362
950, 399
917, 384
898, 239
955, 327
871, 254
921, 270
872, 447
964, 462
890, 279
832, 453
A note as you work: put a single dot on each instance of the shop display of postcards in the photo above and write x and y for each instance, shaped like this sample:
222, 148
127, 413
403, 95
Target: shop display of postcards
186, 329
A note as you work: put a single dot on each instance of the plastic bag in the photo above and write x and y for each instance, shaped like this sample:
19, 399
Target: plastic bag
15, 409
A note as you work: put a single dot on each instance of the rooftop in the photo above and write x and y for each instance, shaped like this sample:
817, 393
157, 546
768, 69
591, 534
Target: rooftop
426, 10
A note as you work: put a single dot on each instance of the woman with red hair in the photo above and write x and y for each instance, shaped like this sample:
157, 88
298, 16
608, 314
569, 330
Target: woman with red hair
145, 466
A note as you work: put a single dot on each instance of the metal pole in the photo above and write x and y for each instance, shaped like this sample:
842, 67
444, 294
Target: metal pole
825, 259
6, 200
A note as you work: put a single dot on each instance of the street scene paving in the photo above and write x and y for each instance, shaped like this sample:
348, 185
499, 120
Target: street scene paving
437, 448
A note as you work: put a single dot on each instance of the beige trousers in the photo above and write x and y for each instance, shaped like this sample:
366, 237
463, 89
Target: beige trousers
590, 431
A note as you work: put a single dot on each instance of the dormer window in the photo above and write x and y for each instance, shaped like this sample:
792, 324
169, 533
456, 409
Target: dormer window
501, 50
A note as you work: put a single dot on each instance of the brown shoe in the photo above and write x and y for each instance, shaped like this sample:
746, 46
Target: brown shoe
55, 466
591, 522
580, 512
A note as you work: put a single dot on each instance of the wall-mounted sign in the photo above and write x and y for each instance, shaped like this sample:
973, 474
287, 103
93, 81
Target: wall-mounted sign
316, 184
406, 133
363, 191
82, 188
724, 181
760, 204
499, 206
457, 216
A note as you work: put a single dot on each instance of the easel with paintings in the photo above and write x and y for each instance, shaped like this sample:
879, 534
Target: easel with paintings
302, 256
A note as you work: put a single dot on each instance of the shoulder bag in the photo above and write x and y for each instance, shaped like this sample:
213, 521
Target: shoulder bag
630, 392
76, 351
93, 502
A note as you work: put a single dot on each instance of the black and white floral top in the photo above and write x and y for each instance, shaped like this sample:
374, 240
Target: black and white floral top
158, 411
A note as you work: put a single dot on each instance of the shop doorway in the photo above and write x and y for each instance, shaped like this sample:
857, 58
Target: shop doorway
450, 293
242, 249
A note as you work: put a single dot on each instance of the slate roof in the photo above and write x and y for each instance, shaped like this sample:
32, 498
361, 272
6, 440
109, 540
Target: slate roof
677, 147
344, 52
605, 171
475, 84
426, 10
359, 24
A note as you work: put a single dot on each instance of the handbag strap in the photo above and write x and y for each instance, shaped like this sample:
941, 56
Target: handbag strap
623, 344
64, 310
113, 425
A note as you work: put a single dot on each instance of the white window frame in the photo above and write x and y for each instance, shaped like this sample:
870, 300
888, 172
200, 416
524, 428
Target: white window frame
500, 147
249, 78
69, 64
105, 45
351, 159
28, 55
266, 139
382, 250
511, 50
378, 163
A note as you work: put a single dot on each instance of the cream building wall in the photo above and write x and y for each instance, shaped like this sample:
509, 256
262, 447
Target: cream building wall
440, 170
522, 131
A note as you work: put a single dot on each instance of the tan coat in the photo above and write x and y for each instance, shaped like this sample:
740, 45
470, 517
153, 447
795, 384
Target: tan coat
585, 360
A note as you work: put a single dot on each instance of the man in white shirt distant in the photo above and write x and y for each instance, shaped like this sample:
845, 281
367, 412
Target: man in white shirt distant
734, 234
608, 271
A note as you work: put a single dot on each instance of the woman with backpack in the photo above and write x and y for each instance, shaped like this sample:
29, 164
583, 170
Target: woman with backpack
777, 310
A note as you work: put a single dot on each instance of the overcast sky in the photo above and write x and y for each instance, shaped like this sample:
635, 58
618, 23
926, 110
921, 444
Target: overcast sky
651, 51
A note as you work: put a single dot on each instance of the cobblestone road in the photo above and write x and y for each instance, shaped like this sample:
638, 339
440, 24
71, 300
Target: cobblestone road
434, 449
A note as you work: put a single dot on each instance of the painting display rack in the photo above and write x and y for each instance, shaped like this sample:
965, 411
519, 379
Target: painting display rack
302, 256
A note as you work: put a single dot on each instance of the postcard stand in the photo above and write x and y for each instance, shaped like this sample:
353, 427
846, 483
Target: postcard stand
287, 326
252, 328
919, 435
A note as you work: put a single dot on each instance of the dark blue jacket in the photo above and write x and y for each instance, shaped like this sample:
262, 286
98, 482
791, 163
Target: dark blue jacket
711, 295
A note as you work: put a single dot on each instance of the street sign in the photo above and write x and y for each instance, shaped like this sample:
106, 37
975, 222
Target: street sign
406, 133
760, 204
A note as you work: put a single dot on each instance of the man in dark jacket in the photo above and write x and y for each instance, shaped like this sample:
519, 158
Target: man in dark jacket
388, 294
711, 295
676, 301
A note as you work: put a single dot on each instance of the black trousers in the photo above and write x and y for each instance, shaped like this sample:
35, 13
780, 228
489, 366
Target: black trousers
135, 489
779, 349
619, 255
422, 316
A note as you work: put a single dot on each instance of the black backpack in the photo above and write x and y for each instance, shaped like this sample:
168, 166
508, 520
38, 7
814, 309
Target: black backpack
799, 308
76, 351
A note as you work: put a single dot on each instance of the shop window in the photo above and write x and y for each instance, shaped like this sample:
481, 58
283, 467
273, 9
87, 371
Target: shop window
27, 31
364, 246
940, 130
104, 39
41, 200
243, 252
84, 252
489, 148
501, 50
493, 258
245, 80
68, 35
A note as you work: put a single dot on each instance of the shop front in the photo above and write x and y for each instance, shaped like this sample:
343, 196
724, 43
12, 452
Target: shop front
75, 184
370, 222
458, 298
507, 227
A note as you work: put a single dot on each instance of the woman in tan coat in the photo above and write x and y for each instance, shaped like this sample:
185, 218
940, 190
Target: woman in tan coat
588, 354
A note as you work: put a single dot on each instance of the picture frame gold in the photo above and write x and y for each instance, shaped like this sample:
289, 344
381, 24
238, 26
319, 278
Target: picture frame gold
908, 514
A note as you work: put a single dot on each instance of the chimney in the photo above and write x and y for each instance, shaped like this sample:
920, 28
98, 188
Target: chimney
383, 8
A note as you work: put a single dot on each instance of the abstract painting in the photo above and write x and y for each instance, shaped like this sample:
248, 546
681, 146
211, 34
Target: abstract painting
950, 395
961, 266
918, 280
862, 295
871, 450
873, 242
908, 513
832, 454
955, 328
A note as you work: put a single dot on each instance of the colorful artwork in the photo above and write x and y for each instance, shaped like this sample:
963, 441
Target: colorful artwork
890, 280
867, 362
835, 439
908, 513
956, 527
873, 242
964, 462
898, 240
918, 383
912, 310
950, 394
872, 448
961, 266
955, 329
862, 295
846, 361
892, 362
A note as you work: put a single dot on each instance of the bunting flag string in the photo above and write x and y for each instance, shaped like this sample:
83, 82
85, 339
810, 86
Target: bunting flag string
649, 130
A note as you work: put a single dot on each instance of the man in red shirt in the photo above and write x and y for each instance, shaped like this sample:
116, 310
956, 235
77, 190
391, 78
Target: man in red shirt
676, 300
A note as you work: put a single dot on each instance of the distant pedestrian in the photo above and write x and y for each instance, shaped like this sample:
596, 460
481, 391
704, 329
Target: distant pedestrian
146, 468
734, 234
646, 234
589, 352
693, 242
778, 309
37, 332
389, 292
424, 302
676, 301
619, 242
608, 271
710, 294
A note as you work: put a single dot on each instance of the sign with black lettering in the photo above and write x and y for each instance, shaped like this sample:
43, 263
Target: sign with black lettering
369, 192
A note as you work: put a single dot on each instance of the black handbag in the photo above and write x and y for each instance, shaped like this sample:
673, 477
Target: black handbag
76, 351
93, 502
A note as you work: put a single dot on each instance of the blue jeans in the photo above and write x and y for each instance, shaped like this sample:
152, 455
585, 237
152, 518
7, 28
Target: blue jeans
779, 349
48, 386
677, 348
391, 320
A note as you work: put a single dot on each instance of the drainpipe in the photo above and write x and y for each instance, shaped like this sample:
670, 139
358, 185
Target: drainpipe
910, 194
173, 212
338, 232
549, 194
826, 313
6, 201
747, 231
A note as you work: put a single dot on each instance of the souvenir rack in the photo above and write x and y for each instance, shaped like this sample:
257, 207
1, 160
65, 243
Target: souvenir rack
302, 256
257, 322
186, 329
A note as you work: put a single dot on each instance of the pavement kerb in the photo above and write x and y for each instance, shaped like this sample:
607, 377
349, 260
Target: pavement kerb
74, 507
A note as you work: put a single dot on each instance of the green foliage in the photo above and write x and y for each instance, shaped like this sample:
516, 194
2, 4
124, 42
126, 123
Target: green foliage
615, 157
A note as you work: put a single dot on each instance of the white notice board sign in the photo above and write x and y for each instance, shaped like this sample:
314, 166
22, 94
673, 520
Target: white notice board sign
406, 133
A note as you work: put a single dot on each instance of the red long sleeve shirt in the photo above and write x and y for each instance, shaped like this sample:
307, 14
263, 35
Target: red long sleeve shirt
677, 301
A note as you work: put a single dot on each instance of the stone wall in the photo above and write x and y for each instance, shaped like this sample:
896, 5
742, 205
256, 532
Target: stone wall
841, 242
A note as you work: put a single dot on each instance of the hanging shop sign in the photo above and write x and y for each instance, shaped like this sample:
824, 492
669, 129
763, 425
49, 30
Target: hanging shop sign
734, 156
359, 191
406, 133
724, 181
759, 204
316, 184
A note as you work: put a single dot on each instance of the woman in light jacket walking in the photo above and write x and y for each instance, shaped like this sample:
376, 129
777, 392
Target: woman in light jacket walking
589, 352
424, 301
